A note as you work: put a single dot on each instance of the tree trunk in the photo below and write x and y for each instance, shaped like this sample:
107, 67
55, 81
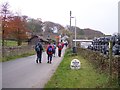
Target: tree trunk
19, 42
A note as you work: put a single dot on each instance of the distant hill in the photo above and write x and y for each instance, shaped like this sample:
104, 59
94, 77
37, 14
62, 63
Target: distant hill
51, 29
85, 33
90, 33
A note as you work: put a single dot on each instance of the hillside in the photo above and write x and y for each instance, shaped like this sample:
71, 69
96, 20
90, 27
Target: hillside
51, 29
85, 33
90, 33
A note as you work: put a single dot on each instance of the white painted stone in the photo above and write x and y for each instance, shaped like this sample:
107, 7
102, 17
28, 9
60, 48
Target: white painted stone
75, 64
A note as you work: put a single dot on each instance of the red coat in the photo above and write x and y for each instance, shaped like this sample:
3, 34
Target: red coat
60, 46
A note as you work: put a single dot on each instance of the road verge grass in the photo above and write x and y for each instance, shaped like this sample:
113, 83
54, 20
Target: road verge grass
86, 77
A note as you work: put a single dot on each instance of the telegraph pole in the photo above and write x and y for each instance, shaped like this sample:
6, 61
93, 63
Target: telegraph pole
70, 28
70, 19
119, 32
110, 62
75, 32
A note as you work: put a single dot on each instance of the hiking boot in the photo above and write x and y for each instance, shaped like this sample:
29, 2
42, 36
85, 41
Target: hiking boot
48, 62
40, 61
36, 61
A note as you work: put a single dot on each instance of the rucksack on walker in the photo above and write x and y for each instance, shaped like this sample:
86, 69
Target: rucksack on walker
54, 46
60, 46
37, 48
50, 50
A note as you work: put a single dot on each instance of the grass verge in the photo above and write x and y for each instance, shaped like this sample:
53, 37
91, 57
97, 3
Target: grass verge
86, 77
17, 56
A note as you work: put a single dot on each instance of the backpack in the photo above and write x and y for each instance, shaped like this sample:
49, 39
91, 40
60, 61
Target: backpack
60, 46
54, 46
37, 48
50, 50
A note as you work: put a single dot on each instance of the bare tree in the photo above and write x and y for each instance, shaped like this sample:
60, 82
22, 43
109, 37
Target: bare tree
4, 14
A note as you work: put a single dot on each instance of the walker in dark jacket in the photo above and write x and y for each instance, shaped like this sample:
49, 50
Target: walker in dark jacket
39, 52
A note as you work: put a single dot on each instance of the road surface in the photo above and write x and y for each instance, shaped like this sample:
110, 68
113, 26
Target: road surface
26, 73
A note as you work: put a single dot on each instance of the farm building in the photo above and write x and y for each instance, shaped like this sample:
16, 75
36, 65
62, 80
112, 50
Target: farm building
34, 39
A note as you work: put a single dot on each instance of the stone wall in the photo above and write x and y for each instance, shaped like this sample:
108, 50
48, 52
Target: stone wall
18, 50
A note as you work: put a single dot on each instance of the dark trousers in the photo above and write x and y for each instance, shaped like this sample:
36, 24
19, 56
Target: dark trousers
59, 53
49, 57
54, 51
39, 56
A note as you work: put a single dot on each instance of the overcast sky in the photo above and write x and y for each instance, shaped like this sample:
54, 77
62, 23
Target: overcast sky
101, 15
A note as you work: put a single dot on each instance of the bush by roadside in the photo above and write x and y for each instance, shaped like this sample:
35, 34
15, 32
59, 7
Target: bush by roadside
101, 62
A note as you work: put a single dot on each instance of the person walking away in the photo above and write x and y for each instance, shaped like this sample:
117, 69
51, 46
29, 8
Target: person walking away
38, 49
49, 53
62, 45
54, 49
66, 44
59, 49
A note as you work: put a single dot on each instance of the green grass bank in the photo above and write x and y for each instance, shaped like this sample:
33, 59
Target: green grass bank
86, 77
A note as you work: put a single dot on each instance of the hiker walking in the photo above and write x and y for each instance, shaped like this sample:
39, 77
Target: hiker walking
54, 49
66, 43
59, 49
62, 45
49, 52
38, 49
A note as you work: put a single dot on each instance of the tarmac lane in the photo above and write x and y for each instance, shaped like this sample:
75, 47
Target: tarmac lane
26, 73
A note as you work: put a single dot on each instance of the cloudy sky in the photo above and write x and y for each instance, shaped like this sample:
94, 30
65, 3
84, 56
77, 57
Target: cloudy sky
101, 15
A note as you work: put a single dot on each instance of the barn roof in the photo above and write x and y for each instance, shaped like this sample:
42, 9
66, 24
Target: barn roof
39, 37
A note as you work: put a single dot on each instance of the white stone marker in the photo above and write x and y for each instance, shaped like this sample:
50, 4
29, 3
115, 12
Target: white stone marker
75, 64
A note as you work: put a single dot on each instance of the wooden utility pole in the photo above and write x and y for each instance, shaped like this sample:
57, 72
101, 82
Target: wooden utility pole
119, 32
119, 71
70, 30
110, 61
70, 19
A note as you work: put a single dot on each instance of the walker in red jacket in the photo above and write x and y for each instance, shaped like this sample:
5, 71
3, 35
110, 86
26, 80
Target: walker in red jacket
59, 49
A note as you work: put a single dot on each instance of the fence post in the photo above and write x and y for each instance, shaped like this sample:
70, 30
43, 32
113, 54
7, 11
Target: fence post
110, 62
119, 71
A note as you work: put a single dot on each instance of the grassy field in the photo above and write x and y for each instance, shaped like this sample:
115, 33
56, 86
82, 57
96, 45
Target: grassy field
12, 43
86, 77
